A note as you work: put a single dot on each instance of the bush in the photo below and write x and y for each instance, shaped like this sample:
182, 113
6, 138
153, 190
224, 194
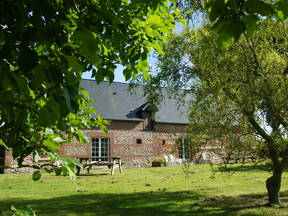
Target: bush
159, 160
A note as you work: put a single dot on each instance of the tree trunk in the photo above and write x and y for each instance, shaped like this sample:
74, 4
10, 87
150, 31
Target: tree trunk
273, 185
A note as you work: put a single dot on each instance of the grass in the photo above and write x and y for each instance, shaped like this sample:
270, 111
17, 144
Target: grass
144, 191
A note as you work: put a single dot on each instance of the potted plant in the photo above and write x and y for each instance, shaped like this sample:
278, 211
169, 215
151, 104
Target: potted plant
158, 162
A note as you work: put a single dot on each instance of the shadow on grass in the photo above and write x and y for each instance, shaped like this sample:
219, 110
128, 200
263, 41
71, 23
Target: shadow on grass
242, 167
93, 174
142, 204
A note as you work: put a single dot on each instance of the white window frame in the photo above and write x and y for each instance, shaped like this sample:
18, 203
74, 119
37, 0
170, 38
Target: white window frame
98, 156
183, 153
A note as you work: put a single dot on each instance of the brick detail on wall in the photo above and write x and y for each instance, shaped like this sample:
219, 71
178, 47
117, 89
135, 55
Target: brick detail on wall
123, 137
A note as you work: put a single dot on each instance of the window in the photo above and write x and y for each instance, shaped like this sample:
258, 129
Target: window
183, 149
163, 142
139, 141
100, 149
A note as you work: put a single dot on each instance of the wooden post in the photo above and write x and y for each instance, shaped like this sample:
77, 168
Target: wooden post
113, 166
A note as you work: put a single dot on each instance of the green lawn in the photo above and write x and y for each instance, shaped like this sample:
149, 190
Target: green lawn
144, 191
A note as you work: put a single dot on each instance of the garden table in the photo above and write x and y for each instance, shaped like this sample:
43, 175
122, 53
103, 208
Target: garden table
110, 164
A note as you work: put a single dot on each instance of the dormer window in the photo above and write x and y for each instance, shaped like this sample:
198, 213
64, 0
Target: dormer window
147, 112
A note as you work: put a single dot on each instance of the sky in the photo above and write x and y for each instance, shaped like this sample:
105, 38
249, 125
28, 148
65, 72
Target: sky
118, 75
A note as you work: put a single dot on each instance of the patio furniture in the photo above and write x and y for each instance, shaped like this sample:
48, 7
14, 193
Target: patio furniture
88, 164
171, 160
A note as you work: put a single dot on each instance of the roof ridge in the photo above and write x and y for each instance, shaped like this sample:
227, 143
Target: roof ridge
106, 82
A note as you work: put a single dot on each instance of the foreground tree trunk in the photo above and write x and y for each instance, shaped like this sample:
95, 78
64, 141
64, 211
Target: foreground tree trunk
273, 185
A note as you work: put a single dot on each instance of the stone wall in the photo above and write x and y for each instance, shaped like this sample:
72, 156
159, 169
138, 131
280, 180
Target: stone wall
122, 142
10, 162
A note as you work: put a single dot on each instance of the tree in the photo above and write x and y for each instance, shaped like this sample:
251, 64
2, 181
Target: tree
45, 46
231, 18
240, 90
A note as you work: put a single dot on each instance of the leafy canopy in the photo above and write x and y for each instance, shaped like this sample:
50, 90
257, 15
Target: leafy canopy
45, 46
239, 94
231, 18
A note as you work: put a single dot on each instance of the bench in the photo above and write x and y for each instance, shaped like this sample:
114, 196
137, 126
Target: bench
111, 165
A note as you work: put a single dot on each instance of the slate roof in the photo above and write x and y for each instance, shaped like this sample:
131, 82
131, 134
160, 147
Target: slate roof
115, 102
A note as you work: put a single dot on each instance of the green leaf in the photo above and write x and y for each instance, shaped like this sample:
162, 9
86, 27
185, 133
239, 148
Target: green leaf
71, 97
189, 11
84, 92
20, 114
110, 75
36, 175
104, 50
154, 20
158, 48
7, 82
22, 83
49, 113
26, 211
38, 77
149, 31
229, 31
76, 162
182, 20
52, 155
68, 165
81, 137
99, 75
54, 74
3, 144
75, 64
51, 144
225, 39
250, 23
143, 67
127, 73
260, 7
36, 156
232, 4
28, 59
216, 9
67, 98
72, 174
88, 45
282, 9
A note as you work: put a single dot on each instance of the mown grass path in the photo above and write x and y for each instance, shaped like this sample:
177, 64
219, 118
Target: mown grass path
144, 192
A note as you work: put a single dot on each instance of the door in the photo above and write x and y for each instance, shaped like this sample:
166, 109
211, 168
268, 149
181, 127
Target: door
183, 150
100, 149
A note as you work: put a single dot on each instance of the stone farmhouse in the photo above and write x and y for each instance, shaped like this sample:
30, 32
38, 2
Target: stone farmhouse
138, 131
